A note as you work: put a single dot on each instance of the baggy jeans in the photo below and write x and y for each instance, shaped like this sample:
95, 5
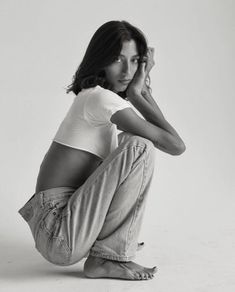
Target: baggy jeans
102, 217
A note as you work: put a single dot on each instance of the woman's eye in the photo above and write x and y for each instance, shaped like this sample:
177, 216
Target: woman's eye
118, 60
136, 61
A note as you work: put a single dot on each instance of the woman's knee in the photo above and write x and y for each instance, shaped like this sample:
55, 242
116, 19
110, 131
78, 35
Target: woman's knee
126, 136
123, 137
141, 141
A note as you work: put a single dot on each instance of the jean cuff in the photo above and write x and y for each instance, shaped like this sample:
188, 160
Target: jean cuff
111, 257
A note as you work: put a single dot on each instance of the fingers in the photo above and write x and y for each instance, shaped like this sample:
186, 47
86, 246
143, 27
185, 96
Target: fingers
150, 53
143, 66
148, 58
151, 50
150, 61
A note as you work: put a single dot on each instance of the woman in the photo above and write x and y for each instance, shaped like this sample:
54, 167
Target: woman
93, 182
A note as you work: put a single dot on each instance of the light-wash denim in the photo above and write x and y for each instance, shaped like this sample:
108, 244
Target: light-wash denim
103, 217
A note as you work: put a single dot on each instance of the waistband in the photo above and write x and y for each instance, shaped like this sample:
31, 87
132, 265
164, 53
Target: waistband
38, 200
53, 193
44, 196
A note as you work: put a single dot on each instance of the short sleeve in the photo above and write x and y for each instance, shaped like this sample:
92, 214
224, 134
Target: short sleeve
101, 105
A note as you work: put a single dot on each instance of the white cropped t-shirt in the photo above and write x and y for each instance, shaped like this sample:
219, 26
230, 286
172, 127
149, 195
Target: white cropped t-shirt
87, 125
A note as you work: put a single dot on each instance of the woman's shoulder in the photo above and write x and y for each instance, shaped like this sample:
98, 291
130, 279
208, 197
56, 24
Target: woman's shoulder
105, 95
96, 90
101, 91
101, 99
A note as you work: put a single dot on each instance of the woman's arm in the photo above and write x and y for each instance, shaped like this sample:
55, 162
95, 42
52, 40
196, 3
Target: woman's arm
128, 121
154, 127
148, 107
152, 114
148, 97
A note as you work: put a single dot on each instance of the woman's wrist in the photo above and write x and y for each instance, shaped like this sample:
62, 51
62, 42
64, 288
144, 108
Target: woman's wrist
145, 91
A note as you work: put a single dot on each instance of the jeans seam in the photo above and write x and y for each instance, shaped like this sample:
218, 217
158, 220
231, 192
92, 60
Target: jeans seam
137, 204
42, 228
95, 181
110, 257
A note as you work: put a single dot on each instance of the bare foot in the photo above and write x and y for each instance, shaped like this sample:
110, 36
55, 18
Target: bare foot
95, 267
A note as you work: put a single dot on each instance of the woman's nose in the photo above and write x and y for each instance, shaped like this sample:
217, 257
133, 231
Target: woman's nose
126, 69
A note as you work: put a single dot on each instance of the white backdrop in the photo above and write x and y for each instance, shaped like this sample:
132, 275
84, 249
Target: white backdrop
190, 209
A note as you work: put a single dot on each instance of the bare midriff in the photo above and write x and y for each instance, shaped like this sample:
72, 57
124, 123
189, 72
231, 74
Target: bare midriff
65, 166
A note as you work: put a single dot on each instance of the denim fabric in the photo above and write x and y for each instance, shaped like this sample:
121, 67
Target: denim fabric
103, 217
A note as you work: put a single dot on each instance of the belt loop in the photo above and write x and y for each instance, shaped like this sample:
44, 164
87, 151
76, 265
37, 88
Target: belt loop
41, 196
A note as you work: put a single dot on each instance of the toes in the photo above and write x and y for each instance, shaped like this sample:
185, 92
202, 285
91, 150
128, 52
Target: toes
137, 276
151, 270
154, 270
151, 275
144, 276
141, 276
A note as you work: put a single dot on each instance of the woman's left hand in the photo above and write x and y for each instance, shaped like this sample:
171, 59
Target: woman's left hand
139, 80
150, 61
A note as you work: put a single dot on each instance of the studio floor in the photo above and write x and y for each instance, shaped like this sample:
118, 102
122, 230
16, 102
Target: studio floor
186, 261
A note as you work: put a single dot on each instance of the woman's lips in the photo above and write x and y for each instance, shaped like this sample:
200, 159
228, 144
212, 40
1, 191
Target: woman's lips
125, 81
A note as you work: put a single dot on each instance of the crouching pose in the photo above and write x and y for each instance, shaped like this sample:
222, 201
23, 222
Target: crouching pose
93, 182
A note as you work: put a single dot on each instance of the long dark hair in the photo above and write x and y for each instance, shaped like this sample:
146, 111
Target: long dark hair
104, 47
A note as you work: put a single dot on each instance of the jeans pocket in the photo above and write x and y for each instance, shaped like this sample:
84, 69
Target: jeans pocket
53, 211
41, 240
53, 249
50, 219
58, 251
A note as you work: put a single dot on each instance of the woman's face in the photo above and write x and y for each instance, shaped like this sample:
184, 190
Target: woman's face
120, 73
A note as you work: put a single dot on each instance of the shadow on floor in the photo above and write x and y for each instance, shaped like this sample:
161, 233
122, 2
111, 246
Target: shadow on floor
21, 260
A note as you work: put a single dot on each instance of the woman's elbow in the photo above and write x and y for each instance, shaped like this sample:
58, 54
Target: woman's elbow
170, 144
179, 148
